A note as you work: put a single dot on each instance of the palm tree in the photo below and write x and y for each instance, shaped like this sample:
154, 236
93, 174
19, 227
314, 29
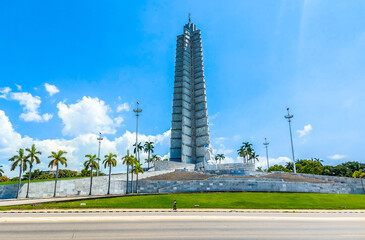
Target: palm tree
242, 153
254, 157
317, 160
91, 163
155, 159
216, 158
128, 160
57, 158
110, 161
30, 158
19, 160
1, 170
137, 149
249, 150
289, 166
220, 157
137, 169
148, 148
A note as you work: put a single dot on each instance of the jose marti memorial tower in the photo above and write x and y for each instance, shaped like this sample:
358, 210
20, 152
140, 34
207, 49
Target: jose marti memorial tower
189, 126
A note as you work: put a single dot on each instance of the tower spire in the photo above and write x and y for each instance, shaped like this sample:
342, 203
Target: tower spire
189, 17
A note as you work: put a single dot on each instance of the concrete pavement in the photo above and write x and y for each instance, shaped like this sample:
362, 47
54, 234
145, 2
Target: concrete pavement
182, 225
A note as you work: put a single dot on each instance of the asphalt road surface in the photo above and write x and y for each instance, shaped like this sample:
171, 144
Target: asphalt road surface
182, 225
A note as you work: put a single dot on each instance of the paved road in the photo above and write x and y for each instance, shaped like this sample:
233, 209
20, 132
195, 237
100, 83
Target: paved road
182, 225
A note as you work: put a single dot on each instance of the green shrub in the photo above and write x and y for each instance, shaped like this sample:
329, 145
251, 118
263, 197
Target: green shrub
45, 176
64, 173
35, 174
309, 166
14, 179
278, 167
4, 179
358, 174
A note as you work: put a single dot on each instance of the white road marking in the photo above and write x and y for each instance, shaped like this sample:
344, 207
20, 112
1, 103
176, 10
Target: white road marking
175, 218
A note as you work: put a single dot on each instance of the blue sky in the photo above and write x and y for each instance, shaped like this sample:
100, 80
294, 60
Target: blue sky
260, 58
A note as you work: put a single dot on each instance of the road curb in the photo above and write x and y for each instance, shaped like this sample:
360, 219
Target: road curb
180, 211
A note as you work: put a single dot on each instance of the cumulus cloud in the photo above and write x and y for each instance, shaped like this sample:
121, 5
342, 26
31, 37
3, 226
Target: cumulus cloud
4, 92
89, 115
51, 89
9, 139
30, 107
272, 161
47, 116
167, 156
262, 161
18, 87
118, 120
222, 150
336, 156
123, 107
76, 148
164, 139
307, 129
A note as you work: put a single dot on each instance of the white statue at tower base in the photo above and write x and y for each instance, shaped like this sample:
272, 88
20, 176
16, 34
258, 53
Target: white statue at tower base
209, 162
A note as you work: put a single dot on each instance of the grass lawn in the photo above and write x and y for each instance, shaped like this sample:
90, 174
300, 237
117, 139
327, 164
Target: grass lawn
246, 200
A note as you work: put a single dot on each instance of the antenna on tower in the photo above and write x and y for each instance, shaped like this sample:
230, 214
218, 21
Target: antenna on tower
189, 17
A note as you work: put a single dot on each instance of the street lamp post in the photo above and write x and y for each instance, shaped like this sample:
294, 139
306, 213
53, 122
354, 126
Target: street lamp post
137, 111
267, 154
289, 117
99, 139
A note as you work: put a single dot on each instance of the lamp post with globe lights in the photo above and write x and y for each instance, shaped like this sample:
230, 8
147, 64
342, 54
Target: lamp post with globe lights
99, 139
289, 117
267, 154
137, 111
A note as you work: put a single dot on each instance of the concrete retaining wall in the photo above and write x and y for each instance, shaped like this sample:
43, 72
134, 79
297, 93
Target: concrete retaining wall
333, 178
249, 185
73, 187
118, 186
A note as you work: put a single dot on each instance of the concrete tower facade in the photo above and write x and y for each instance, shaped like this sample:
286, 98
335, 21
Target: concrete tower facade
189, 126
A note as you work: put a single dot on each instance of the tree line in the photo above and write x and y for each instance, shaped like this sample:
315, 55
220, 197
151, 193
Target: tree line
315, 166
25, 159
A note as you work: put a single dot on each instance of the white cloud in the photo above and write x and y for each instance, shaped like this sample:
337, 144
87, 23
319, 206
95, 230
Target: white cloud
4, 92
272, 161
337, 156
164, 139
118, 120
51, 89
123, 107
214, 116
167, 156
307, 129
30, 103
219, 140
31, 107
9, 139
89, 115
76, 148
47, 116
222, 149
18, 87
